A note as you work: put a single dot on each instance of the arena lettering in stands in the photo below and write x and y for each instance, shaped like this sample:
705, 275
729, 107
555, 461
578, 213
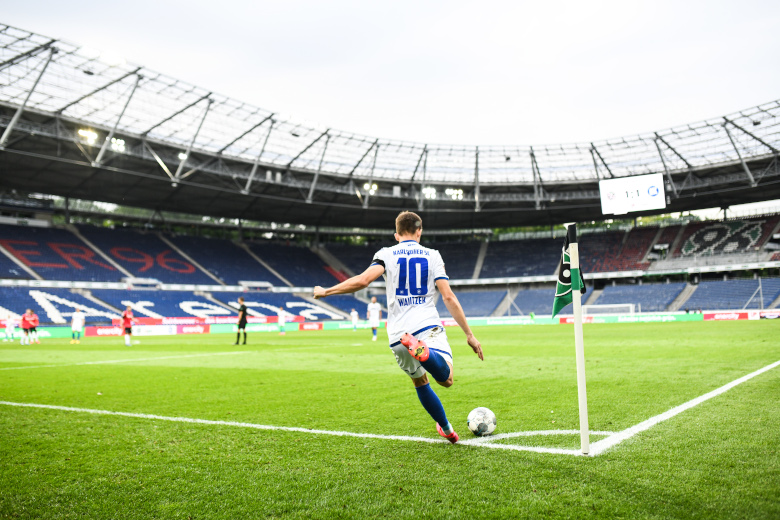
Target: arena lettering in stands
162, 259
68, 252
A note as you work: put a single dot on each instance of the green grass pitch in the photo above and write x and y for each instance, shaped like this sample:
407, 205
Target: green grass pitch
716, 460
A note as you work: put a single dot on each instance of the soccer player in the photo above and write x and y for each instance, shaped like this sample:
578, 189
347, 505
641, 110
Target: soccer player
76, 324
419, 342
282, 320
355, 316
241, 320
30, 324
127, 324
10, 325
374, 315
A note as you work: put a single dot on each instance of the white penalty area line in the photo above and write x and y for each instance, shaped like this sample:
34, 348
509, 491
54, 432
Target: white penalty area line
111, 361
599, 447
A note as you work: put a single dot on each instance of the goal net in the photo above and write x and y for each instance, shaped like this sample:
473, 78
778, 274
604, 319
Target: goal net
615, 308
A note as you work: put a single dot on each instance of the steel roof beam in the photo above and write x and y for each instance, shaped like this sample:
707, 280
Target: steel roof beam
118, 119
309, 198
596, 150
85, 96
29, 54
419, 161
237, 139
744, 164
735, 125
678, 154
192, 142
666, 168
176, 114
354, 168
323, 134
424, 157
370, 178
21, 108
477, 206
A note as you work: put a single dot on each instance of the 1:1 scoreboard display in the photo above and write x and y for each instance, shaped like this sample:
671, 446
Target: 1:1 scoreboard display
628, 194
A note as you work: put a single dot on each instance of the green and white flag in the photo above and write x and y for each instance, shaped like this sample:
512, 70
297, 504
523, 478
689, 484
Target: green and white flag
568, 279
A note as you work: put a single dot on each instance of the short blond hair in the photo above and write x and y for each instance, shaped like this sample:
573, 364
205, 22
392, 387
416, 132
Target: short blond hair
407, 223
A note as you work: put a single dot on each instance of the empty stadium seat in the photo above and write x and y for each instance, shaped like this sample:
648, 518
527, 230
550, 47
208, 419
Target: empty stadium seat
296, 263
733, 294
55, 254
145, 255
474, 303
647, 297
53, 306
532, 257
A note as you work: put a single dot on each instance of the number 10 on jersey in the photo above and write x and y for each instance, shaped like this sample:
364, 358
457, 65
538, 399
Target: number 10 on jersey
408, 274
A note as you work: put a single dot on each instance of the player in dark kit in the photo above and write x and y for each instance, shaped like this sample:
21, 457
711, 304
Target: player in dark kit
241, 320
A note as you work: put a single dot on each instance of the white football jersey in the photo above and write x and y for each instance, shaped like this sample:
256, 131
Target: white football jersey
411, 271
77, 321
354, 315
374, 310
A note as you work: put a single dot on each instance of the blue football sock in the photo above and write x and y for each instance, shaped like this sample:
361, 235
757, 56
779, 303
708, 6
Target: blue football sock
374, 332
436, 366
432, 404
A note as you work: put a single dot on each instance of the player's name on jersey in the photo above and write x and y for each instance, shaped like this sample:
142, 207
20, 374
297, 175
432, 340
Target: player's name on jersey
425, 252
412, 300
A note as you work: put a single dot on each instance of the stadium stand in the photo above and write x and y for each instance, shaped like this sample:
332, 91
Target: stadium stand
356, 258
732, 294
460, 258
668, 235
224, 259
531, 257
540, 301
9, 270
53, 306
775, 257
55, 254
648, 297
634, 250
145, 255
474, 303
729, 236
270, 304
298, 264
157, 304
599, 252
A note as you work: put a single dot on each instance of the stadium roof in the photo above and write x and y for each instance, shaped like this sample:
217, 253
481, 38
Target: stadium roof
95, 127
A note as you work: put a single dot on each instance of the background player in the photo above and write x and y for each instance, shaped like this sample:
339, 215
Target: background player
418, 340
374, 315
282, 321
127, 324
241, 320
355, 316
76, 324
10, 326
30, 324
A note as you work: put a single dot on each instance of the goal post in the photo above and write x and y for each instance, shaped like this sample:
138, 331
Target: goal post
615, 308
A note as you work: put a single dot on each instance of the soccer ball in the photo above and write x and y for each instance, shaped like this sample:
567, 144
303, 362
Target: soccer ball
482, 421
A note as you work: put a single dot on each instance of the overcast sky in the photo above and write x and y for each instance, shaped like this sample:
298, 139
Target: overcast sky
448, 72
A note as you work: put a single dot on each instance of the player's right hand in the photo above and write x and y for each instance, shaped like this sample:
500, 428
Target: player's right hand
319, 292
475, 345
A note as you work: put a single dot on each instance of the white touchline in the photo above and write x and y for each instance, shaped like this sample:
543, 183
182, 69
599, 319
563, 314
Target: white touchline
110, 361
599, 447
283, 428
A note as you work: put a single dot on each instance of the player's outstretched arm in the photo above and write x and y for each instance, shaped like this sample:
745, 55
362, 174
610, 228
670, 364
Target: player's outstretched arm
453, 305
354, 284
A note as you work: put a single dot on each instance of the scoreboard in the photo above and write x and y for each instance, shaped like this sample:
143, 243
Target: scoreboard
636, 193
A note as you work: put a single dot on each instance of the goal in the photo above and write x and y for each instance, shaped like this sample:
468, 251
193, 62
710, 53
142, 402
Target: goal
615, 308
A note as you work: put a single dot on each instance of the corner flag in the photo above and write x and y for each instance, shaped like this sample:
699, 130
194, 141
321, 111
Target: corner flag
568, 278
570, 289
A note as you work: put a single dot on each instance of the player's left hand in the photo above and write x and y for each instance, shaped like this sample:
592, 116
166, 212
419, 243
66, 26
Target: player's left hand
319, 292
475, 345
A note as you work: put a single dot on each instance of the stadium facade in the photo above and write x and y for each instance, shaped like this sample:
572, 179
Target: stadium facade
78, 126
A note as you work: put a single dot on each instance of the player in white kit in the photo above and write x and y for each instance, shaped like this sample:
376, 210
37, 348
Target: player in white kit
76, 324
354, 315
413, 273
374, 315
10, 325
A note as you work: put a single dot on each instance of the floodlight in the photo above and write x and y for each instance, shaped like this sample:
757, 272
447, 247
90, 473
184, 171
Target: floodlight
89, 136
182, 156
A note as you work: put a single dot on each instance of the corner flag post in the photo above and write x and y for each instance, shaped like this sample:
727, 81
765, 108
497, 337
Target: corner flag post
576, 281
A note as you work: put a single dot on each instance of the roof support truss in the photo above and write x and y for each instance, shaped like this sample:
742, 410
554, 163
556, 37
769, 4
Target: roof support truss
118, 119
144, 133
595, 150
310, 196
371, 177
85, 96
192, 142
29, 54
477, 206
421, 197
666, 168
538, 188
257, 159
18, 114
735, 125
748, 173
